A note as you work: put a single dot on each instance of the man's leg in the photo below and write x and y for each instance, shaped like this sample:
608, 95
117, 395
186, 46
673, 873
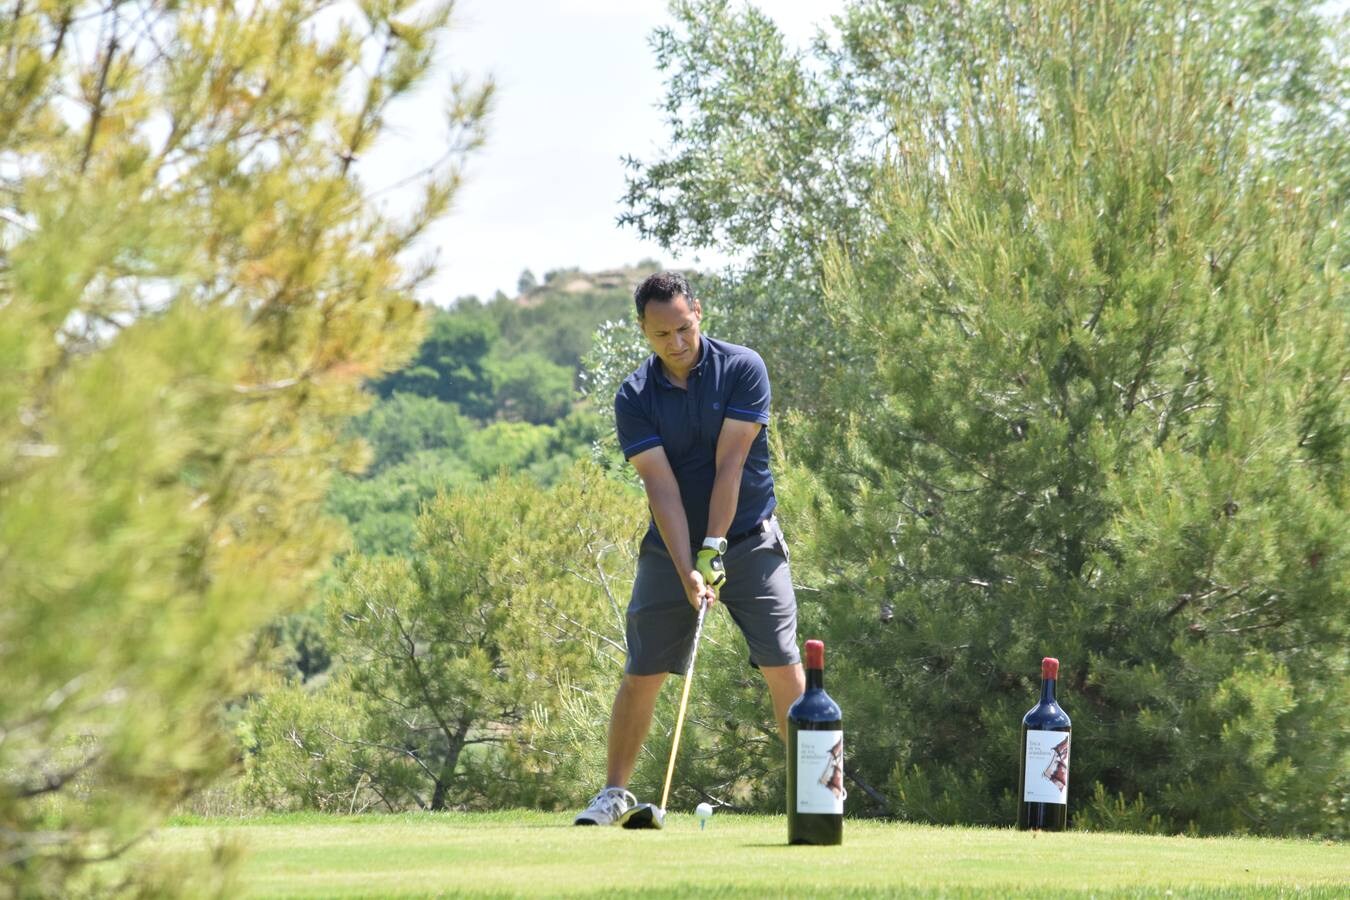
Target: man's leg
629, 723
786, 684
760, 597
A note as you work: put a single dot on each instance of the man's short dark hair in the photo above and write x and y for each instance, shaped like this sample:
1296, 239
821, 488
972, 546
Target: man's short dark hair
663, 287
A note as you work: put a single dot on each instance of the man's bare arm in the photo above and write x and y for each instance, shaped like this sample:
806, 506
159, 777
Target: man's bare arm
733, 446
663, 496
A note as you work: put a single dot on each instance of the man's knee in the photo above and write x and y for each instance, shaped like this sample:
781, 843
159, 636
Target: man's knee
789, 672
635, 701
640, 687
785, 678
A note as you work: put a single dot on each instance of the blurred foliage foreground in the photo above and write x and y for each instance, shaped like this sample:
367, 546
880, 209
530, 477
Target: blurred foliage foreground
194, 288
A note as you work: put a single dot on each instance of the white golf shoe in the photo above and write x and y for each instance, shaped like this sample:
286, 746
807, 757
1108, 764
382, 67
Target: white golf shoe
606, 807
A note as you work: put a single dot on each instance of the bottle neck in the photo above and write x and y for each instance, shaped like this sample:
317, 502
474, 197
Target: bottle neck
1047, 690
815, 679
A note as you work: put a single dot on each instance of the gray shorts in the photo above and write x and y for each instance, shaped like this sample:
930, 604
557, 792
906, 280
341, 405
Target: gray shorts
758, 594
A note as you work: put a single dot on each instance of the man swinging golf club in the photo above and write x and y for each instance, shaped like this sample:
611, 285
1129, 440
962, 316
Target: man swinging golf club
692, 419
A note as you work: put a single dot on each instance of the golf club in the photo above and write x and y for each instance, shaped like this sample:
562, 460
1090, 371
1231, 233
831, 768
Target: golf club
648, 815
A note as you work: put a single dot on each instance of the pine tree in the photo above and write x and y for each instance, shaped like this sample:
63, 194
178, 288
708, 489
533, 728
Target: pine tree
194, 284
1107, 423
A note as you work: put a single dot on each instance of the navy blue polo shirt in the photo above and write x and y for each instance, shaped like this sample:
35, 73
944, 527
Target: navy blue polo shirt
728, 382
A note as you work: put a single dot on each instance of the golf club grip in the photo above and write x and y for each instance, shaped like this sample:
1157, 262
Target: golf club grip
684, 700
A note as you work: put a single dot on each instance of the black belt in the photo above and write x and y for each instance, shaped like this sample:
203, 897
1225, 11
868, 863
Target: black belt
761, 528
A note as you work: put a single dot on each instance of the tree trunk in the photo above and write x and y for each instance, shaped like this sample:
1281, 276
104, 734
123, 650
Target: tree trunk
457, 738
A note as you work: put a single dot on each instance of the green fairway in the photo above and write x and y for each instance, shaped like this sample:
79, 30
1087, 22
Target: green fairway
539, 854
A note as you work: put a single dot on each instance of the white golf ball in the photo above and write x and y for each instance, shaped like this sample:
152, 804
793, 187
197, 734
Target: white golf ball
703, 811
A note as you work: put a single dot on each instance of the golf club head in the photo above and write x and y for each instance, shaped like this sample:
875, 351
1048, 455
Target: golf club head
644, 815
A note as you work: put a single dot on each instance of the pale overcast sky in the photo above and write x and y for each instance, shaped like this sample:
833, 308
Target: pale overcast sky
577, 90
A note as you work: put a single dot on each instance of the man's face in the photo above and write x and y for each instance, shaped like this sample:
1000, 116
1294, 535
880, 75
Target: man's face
671, 328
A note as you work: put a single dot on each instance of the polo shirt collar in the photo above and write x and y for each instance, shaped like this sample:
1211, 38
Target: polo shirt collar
705, 349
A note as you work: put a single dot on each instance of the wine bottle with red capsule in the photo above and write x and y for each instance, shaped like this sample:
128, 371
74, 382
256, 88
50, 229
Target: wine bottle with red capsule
1043, 786
815, 760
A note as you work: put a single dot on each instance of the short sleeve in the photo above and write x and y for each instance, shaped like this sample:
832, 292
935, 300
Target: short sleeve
749, 399
636, 431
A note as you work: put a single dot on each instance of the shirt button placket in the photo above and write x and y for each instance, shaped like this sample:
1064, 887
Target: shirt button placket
691, 405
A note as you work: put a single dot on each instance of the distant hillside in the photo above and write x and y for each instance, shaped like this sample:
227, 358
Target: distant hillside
493, 386
575, 281
517, 359
558, 317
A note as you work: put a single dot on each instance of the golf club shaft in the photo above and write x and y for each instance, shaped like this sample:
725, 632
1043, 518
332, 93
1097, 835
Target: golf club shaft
684, 701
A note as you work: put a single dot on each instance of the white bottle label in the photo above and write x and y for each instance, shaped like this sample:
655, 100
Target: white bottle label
820, 772
1047, 769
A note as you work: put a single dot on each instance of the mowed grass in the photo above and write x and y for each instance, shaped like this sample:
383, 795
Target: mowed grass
541, 855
